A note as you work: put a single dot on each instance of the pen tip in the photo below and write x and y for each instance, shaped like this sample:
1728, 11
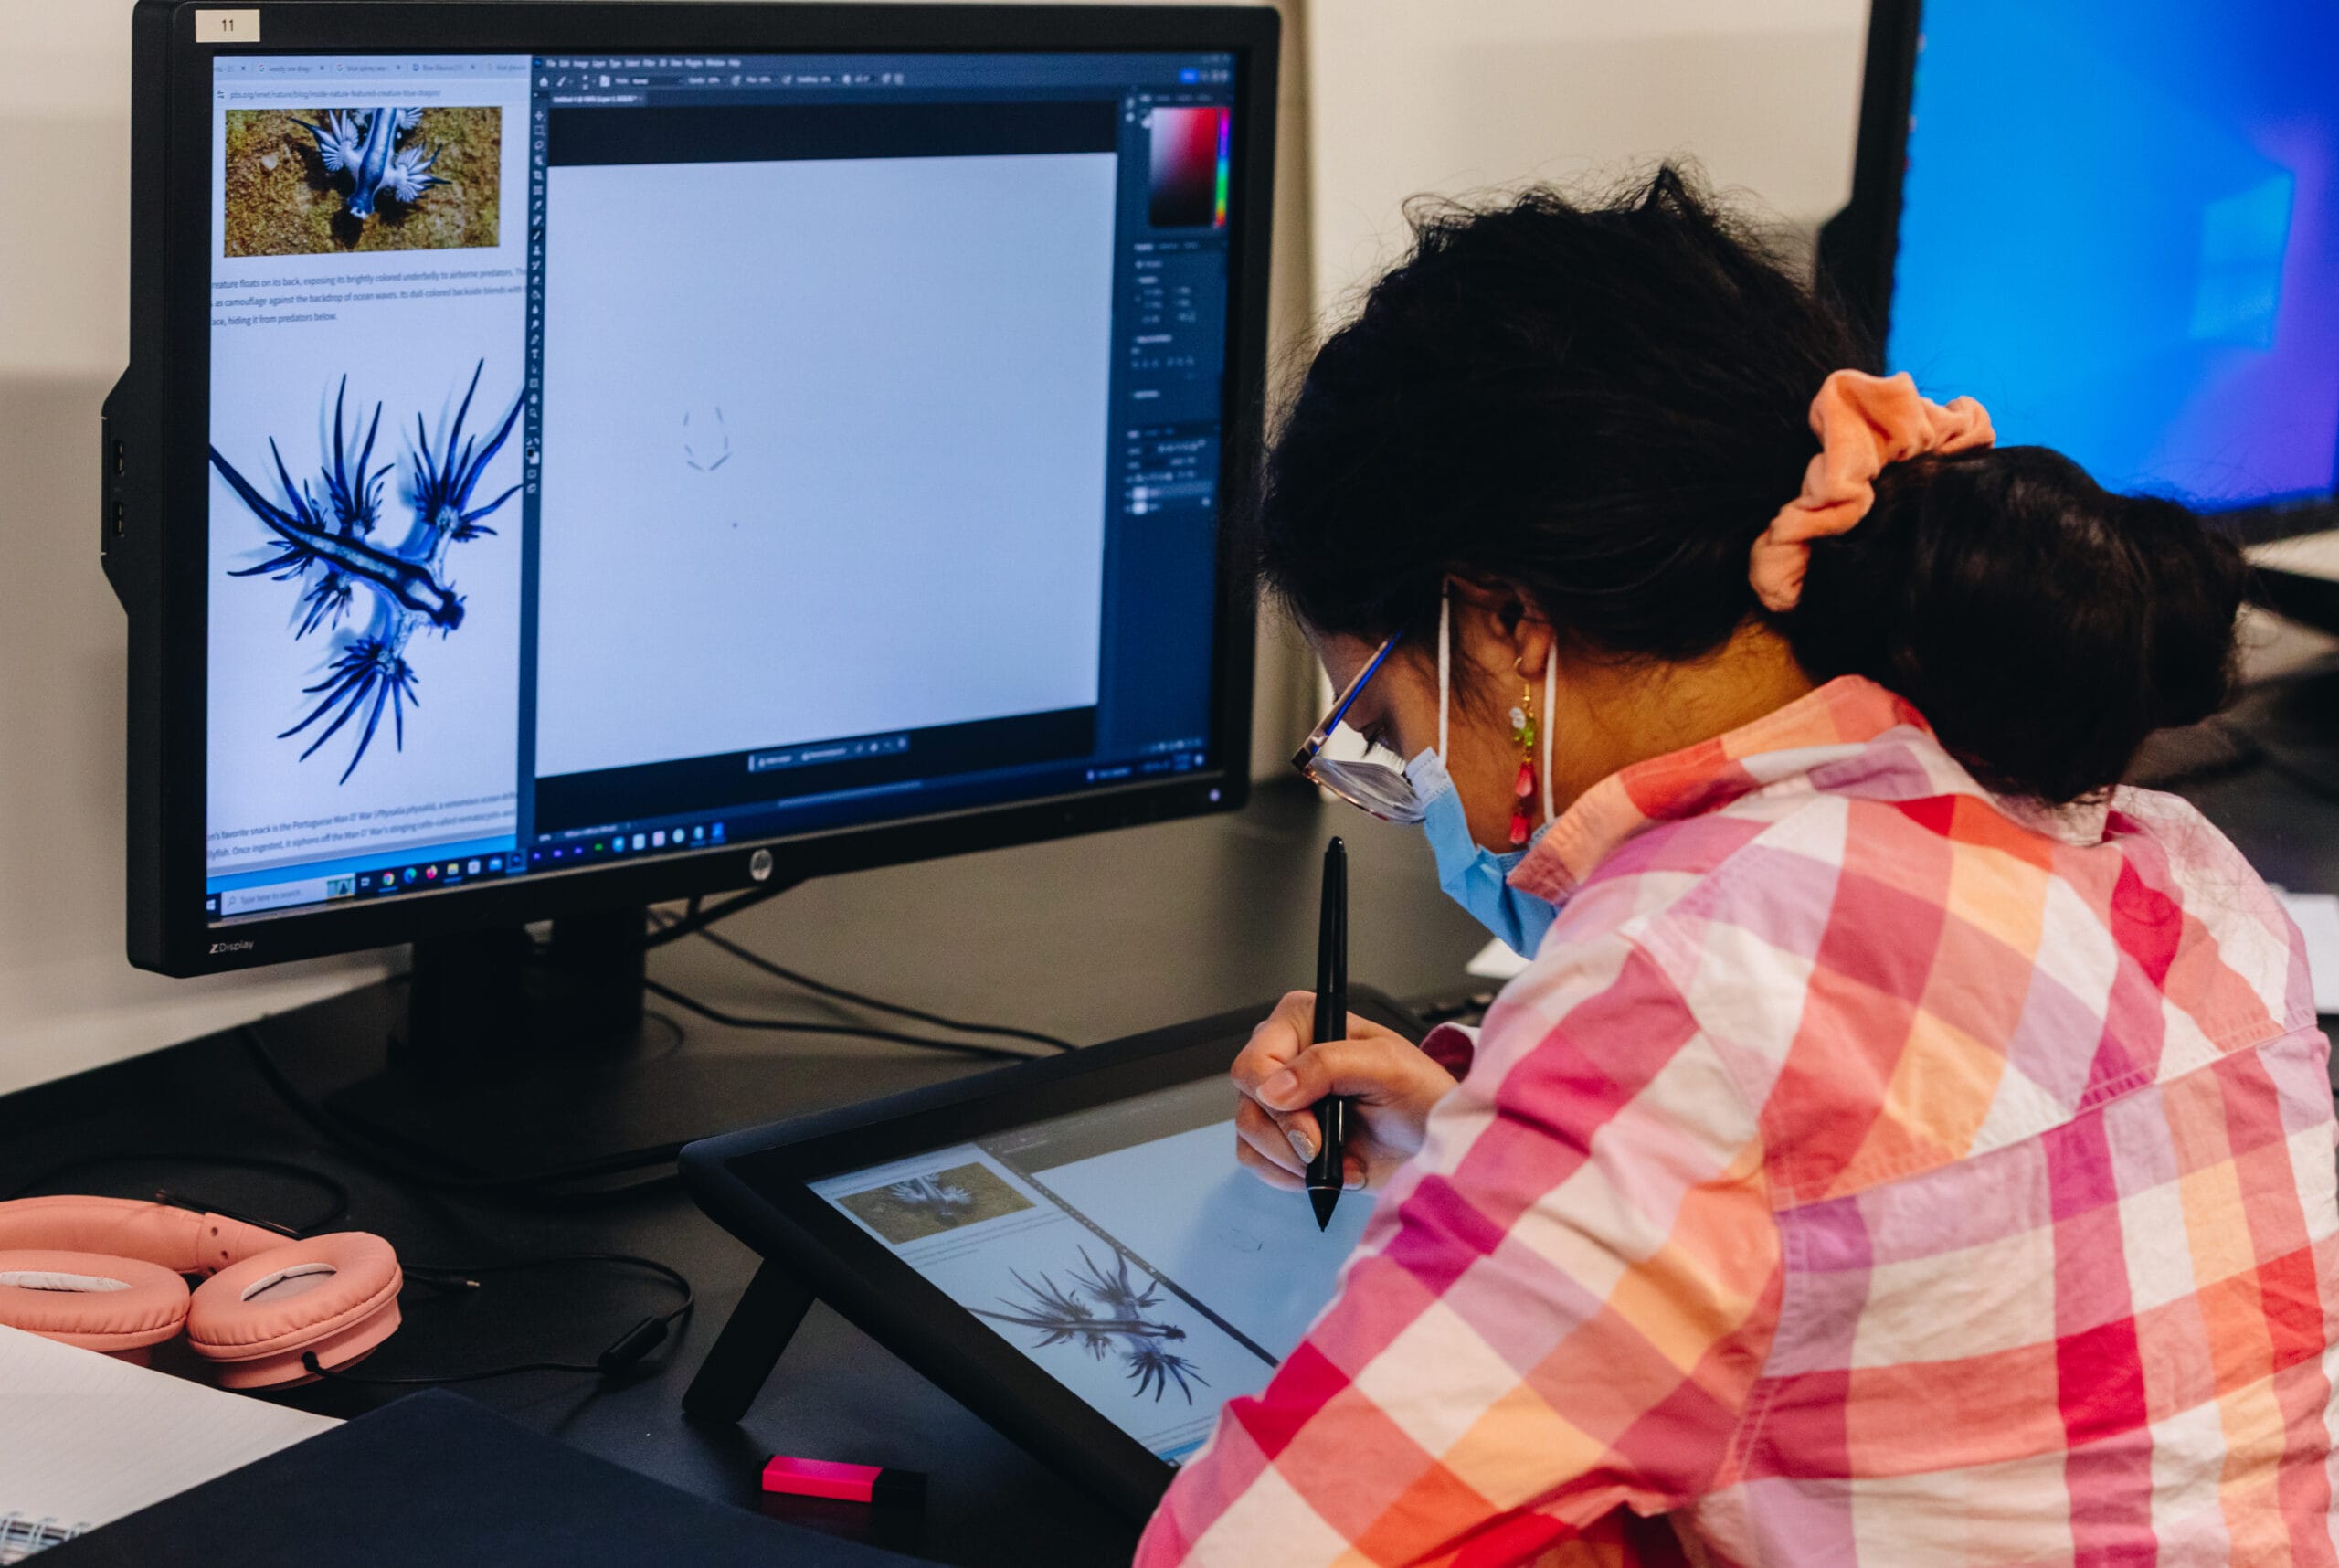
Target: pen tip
1321, 1200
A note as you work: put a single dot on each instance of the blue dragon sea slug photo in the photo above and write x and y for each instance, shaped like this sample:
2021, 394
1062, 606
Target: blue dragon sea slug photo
361, 146
392, 177
373, 574
919, 1207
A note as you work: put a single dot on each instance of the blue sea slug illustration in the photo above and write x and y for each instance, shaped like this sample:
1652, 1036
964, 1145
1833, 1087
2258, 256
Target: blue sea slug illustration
1153, 1367
353, 505
363, 144
1061, 1317
443, 484
1117, 1322
707, 449
1115, 1291
328, 547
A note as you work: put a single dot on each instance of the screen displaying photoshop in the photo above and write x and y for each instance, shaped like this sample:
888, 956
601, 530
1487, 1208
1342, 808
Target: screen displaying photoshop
2120, 231
615, 457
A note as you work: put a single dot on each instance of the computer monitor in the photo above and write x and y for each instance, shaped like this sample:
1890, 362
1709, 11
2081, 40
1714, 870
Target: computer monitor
579, 456
2118, 227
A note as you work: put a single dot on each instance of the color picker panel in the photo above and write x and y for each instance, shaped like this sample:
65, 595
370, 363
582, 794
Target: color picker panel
1190, 158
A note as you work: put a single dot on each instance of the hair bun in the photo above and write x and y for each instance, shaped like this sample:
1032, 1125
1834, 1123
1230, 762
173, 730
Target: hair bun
1603, 401
2043, 625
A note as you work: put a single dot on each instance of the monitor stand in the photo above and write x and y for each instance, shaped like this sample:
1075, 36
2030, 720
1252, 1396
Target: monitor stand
512, 1059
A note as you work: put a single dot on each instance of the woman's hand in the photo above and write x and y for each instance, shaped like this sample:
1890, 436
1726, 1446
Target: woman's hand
1281, 1076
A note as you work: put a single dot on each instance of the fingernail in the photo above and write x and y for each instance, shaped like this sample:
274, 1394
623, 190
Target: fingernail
1279, 1087
1299, 1143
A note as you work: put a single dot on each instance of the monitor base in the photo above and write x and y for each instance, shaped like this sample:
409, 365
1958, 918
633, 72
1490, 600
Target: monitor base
565, 1115
513, 1059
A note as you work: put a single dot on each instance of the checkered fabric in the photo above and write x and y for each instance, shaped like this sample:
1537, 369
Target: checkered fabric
1868, 1171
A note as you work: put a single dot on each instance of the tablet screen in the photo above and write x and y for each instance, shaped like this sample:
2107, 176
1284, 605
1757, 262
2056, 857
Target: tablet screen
1121, 1249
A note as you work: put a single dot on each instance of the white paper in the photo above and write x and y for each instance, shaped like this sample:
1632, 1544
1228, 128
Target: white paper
2318, 917
90, 1438
1496, 961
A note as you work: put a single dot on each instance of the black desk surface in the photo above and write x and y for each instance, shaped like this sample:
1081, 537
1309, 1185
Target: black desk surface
1091, 938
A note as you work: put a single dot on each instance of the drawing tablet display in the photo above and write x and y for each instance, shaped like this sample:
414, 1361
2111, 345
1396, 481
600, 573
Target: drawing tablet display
1069, 1247
1121, 1249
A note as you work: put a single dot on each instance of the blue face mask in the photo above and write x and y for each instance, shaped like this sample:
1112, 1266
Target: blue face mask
1473, 875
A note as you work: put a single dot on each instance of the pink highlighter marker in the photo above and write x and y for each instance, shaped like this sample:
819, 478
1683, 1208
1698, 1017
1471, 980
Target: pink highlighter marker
852, 1483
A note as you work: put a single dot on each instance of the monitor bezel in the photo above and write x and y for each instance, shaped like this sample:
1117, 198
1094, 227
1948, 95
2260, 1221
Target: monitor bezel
156, 522
1860, 248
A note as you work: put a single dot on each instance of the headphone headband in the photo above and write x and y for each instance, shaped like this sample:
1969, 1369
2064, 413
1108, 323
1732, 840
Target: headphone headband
180, 1239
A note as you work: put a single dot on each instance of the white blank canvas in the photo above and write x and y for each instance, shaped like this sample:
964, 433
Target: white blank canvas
824, 449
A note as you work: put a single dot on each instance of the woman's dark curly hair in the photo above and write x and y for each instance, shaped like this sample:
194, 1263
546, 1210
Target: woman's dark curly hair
1605, 404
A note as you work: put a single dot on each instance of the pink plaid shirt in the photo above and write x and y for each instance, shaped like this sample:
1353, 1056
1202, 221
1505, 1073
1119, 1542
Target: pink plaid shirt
1870, 1170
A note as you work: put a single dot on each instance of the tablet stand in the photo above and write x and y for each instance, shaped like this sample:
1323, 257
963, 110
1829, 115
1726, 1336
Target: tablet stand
749, 1347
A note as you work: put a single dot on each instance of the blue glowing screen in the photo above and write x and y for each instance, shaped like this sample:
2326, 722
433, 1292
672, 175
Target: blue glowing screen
2120, 232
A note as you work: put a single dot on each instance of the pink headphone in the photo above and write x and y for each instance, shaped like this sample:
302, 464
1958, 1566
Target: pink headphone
106, 1273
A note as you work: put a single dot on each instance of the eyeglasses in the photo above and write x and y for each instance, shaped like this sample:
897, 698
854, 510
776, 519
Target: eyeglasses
1369, 776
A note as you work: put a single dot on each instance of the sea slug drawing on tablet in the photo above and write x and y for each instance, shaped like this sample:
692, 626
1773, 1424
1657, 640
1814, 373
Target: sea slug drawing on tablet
1111, 1321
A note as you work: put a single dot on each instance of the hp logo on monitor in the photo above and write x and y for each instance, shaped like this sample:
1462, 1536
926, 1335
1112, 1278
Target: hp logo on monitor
759, 865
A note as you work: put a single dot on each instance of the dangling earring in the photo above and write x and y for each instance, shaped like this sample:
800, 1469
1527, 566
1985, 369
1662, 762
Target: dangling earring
1522, 730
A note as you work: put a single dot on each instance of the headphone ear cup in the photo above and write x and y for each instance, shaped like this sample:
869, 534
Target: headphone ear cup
95, 1300
336, 1296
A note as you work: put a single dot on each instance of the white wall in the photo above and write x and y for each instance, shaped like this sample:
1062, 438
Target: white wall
1465, 97
68, 1000
1455, 98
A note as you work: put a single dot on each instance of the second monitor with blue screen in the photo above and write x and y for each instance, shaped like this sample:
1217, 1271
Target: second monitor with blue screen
2118, 227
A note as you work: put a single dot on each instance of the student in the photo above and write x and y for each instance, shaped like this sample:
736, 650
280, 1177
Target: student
1907, 1146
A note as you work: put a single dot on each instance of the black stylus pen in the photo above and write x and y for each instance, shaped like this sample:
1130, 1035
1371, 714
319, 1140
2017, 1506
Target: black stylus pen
1325, 1171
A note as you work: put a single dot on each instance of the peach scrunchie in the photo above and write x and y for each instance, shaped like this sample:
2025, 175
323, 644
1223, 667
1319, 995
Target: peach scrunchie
1863, 422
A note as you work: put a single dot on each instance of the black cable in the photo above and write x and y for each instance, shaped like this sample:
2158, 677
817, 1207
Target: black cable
541, 1188
623, 1353
460, 1272
334, 1190
857, 999
698, 920
694, 922
797, 1026
534, 1185
538, 1187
